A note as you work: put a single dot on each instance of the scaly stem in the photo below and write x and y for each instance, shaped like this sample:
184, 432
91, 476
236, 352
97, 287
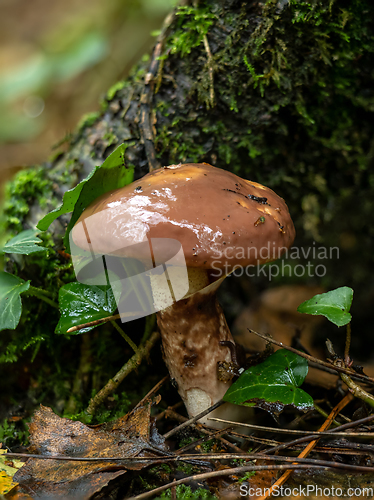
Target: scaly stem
192, 330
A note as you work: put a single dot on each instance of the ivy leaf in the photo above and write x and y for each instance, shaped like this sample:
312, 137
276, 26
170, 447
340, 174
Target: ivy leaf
24, 243
10, 301
273, 384
83, 303
112, 174
335, 305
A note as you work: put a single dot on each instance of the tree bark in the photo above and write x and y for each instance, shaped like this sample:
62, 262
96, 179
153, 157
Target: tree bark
280, 92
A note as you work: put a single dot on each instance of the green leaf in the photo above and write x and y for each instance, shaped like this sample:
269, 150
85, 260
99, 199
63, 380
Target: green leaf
10, 301
83, 303
24, 243
112, 174
335, 305
273, 384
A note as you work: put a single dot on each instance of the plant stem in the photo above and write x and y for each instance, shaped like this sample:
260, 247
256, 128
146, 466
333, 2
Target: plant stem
81, 377
354, 388
324, 414
42, 294
125, 336
347, 345
357, 391
142, 352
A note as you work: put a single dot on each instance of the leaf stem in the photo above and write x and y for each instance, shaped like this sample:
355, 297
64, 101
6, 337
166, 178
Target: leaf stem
324, 414
41, 294
125, 336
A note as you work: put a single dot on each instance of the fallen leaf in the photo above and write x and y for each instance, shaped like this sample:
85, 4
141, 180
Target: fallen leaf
128, 437
8, 467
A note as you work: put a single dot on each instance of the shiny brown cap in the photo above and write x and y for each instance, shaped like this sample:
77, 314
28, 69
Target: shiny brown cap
219, 218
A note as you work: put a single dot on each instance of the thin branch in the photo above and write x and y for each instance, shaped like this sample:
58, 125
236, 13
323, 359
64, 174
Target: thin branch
169, 408
202, 429
333, 432
355, 389
152, 392
350, 372
193, 420
101, 321
214, 435
211, 71
229, 472
336, 410
281, 446
93, 323
198, 456
142, 352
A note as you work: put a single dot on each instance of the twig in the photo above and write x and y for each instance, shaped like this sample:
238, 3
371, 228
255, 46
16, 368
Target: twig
205, 431
202, 429
211, 71
198, 456
128, 367
336, 410
152, 391
169, 408
93, 323
281, 446
350, 372
235, 471
214, 435
333, 432
255, 439
101, 321
193, 419
355, 389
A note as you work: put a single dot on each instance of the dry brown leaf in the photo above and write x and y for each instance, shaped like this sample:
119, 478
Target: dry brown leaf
129, 436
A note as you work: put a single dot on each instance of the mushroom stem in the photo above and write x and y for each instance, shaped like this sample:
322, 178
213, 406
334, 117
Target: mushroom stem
192, 330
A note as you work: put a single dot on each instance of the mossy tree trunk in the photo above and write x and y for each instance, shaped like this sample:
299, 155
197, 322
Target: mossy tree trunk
280, 92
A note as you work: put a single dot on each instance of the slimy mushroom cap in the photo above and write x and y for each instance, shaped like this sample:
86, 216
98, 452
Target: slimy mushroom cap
210, 211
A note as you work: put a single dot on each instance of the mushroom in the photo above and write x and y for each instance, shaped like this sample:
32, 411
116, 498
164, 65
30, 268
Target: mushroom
221, 221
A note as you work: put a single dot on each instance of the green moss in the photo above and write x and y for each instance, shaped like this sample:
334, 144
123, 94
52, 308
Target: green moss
247, 476
119, 406
26, 187
88, 120
14, 432
109, 138
114, 89
286, 77
184, 492
193, 23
